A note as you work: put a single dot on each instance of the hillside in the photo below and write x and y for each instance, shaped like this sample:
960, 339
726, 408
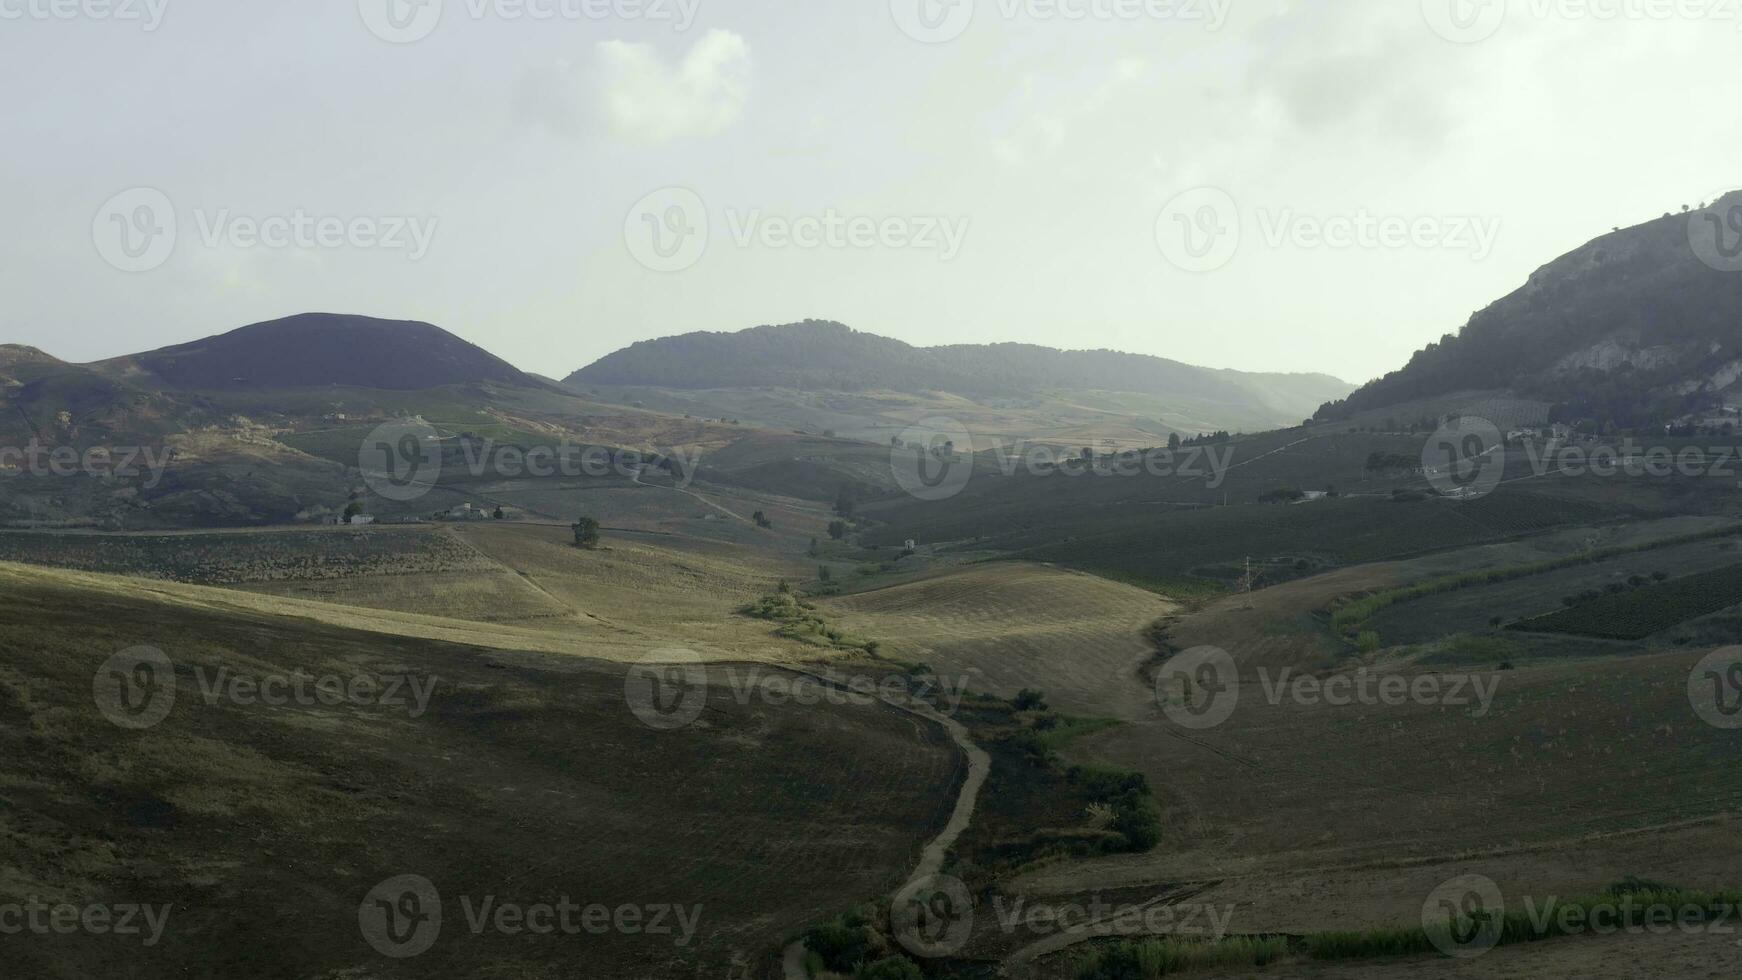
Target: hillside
825, 356
1638, 326
320, 350
47, 399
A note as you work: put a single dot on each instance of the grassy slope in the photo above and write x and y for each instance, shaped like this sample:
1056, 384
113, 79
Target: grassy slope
528, 779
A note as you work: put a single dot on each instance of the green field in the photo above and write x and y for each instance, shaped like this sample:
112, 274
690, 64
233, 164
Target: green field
1639, 613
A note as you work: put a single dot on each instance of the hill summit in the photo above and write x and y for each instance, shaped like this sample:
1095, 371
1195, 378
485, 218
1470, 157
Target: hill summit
1640, 325
318, 350
824, 355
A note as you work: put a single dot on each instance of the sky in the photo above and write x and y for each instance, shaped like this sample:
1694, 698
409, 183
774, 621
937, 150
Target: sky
1266, 185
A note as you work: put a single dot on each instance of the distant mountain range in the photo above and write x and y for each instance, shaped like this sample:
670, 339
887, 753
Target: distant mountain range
1639, 326
819, 355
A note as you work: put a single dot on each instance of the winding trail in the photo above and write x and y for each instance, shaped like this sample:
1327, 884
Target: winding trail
931, 860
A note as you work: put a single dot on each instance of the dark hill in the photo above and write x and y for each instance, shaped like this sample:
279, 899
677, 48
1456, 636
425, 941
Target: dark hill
318, 350
1641, 325
820, 355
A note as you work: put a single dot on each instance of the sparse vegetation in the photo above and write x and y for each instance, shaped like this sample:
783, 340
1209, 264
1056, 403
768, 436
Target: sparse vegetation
1151, 959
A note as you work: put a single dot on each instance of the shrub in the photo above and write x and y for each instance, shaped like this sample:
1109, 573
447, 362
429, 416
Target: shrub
842, 943
1029, 699
890, 968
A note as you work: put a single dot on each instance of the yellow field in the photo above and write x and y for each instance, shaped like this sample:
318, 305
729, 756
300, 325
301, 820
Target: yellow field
1010, 626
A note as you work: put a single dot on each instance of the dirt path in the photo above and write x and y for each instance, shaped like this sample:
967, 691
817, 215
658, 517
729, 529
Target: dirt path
635, 477
931, 860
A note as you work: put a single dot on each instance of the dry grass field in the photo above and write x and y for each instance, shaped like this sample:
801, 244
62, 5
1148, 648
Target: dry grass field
263, 827
1009, 626
1588, 767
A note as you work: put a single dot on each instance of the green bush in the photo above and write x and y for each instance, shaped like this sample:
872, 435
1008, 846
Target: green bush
1151, 959
890, 968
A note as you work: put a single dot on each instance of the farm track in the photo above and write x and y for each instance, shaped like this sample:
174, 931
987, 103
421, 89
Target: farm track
932, 858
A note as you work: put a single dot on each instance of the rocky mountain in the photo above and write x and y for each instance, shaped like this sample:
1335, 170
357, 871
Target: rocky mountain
1639, 326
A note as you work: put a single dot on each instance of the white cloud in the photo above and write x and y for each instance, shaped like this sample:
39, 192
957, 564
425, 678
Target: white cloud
648, 100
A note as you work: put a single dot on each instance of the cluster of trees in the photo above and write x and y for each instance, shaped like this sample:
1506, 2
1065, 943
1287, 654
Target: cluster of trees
1203, 439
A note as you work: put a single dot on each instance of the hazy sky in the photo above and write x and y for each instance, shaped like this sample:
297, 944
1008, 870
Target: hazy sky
1063, 172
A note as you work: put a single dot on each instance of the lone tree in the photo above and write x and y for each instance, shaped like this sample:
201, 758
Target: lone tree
845, 502
838, 530
586, 533
761, 519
